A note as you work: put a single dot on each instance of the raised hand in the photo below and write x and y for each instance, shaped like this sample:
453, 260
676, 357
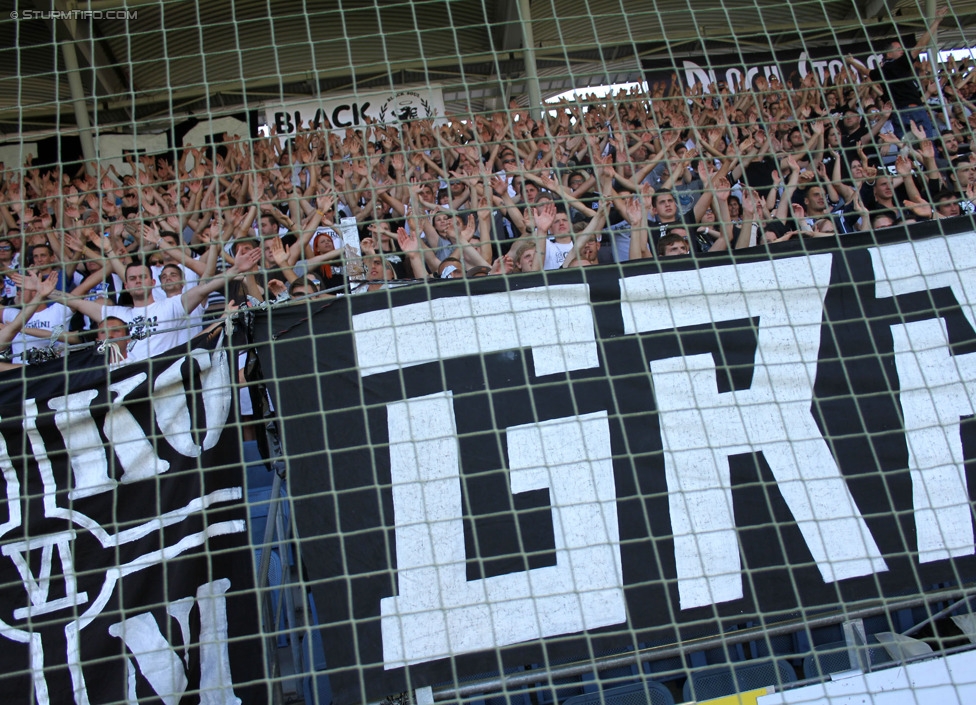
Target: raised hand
367, 246
278, 253
903, 165
276, 287
247, 261
408, 241
150, 233
543, 216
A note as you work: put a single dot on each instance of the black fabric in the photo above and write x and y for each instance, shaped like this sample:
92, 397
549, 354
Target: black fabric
335, 425
897, 78
41, 478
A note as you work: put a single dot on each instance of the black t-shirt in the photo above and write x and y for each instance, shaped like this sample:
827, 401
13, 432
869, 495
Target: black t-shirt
897, 78
759, 174
686, 222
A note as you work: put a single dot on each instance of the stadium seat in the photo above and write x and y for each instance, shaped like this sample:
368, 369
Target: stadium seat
742, 677
666, 669
551, 690
615, 676
644, 693
833, 658
515, 696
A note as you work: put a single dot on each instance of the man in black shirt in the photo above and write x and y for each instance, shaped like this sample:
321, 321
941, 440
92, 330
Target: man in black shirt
898, 78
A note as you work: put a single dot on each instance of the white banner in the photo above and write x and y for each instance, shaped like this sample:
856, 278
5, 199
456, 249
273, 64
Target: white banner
343, 111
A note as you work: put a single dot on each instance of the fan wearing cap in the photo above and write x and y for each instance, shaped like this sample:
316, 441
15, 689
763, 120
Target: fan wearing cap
450, 268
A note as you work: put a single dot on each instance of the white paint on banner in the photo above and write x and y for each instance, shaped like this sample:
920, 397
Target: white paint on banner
947, 681
39, 586
13, 154
438, 612
172, 411
133, 449
556, 322
211, 131
701, 428
83, 443
112, 149
160, 663
923, 265
937, 388
136, 453
218, 391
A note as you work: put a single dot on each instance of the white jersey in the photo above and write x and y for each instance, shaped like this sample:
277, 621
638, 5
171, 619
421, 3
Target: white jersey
154, 329
54, 314
556, 253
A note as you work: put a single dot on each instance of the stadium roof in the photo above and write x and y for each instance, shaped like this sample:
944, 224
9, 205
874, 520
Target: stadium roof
182, 57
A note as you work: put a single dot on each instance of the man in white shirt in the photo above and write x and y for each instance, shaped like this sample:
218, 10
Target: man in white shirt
158, 326
31, 325
548, 222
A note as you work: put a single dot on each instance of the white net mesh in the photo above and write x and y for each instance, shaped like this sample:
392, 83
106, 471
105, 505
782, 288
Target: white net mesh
728, 449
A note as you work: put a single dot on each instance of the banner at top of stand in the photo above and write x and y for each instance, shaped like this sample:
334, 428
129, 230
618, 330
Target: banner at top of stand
739, 71
532, 469
351, 110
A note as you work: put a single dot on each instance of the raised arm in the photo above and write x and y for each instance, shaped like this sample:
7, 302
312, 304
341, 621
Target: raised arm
196, 295
923, 42
40, 289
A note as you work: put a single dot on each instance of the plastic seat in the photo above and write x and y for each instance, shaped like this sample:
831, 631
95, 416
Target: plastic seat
612, 677
833, 658
643, 693
516, 696
550, 690
742, 677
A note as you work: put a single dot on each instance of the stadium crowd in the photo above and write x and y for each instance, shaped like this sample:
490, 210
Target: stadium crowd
143, 255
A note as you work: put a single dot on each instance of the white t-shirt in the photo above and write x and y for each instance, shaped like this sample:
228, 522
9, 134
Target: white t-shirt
54, 314
556, 253
154, 329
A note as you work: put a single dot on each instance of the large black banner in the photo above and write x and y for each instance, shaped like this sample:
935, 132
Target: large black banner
125, 572
522, 470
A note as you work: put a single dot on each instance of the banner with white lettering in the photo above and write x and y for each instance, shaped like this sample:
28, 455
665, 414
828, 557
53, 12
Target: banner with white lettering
125, 572
524, 470
790, 66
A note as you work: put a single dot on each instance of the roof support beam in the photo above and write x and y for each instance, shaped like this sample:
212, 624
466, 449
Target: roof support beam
528, 56
110, 79
78, 100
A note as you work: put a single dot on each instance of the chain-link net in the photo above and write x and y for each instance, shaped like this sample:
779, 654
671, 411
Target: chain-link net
523, 352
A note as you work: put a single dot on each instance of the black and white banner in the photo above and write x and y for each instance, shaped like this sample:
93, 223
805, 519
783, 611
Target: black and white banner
125, 571
486, 473
790, 66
